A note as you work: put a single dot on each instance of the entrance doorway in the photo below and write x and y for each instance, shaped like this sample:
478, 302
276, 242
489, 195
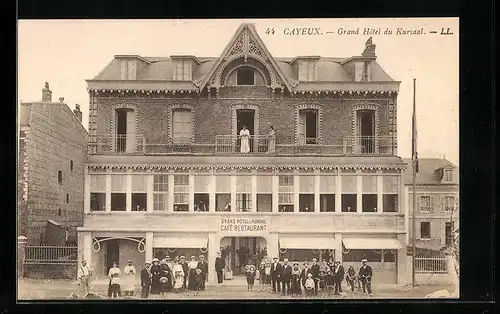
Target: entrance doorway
241, 251
112, 254
245, 117
125, 133
366, 131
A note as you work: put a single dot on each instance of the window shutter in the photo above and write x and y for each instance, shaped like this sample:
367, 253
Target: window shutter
187, 70
123, 69
132, 71
182, 127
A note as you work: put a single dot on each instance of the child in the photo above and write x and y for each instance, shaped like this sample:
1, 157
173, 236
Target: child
250, 269
197, 280
309, 285
262, 272
322, 280
351, 277
329, 281
178, 278
267, 272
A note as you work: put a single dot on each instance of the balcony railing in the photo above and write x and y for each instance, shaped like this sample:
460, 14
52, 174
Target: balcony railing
251, 145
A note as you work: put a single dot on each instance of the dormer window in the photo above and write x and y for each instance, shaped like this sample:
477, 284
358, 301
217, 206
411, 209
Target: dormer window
128, 69
362, 71
182, 70
448, 175
307, 70
245, 76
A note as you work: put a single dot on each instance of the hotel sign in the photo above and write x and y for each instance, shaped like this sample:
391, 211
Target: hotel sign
231, 224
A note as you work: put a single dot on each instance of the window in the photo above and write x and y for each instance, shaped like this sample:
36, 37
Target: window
355, 255
285, 195
59, 176
181, 193
59, 212
306, 70
128, 69
243, 202
160, 192
245, 76
349, 196
118, 192
327, 202
425, 203
139, 193
223, 202
449, 203
369, 198
389, 256
67, 198
308, 126
390, 193
182, 126
448, 233
448, 175
98, 192
306, 203
349, 203
201, 202
223, 193
425, 230
71, 165
306, 190
183, 70
362, 71
125, 141
327, 190
264, 203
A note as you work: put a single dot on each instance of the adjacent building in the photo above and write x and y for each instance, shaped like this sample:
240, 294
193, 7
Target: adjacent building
437, 203
170, 170
52, 152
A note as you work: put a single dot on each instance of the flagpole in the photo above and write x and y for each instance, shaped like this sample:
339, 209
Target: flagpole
414, 184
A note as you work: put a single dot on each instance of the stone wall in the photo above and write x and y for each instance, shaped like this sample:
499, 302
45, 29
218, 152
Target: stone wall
56, 140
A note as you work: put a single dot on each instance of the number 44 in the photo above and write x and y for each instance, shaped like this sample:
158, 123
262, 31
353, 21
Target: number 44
270, 31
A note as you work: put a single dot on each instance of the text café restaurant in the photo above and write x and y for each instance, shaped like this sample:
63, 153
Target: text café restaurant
324, 183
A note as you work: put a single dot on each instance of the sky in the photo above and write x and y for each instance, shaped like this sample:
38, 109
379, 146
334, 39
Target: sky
67, 52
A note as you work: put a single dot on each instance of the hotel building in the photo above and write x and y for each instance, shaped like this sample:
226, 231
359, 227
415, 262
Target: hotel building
166, 173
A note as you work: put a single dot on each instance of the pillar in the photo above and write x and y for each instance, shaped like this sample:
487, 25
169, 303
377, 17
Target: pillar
191, 192
338, 193
150, 183
254, 190
317, 183
213, 248
87, 248
338, 249
211, 192
128, 185
233, 192
359, 193
272, 240
380, 194
21, 247
108, 191
402, 261
170, 198
86, 191
275, 191
296, 192
149, 247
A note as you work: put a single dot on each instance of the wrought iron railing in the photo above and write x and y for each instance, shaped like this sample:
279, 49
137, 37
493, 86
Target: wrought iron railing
51, 254
424, 264
237, 145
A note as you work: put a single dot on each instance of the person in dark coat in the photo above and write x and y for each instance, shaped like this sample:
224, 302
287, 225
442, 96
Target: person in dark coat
155, 276
185, 268
203, 266
275, 274
338, 276
315, 271
351, 277
146, 280
296, 282
165, 278
192, 265
303, 274
250, 274
219, 266
365, 275
285, 277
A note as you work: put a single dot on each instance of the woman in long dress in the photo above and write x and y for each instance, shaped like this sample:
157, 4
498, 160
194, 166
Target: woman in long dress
178, 277
245, 140
165, 278
114, 281
295, 288
272, 140
155, 276
193, 264
129, 279
250, 272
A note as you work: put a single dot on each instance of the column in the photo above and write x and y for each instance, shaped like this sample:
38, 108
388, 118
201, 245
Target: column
403, 197
317, 203
233, 192
296, 191
338, 193
254, 190
359, 193
402, 261
275, 191
108, 191
149, 247
191, 192
86, 191
87, 248
338, 249
405, 204
272, 245
213, 248
211, 191
150, 182
170, 197
380, 194
128, 182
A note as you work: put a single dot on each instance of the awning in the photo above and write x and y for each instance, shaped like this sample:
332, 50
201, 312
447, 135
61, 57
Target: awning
180, 242
371, 243
307, 243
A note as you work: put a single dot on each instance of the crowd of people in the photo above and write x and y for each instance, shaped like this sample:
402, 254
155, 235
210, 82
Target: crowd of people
291, 279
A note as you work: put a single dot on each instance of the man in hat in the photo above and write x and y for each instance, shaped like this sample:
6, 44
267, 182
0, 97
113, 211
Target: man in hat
185, 268
365, 275
219, 266
275, 274
338, 276
285, 277
315, 270
203, 266
146, 280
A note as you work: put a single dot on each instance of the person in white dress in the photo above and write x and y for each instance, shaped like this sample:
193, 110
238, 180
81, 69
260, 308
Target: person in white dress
245, 140
129, 279
178, 277
114, 273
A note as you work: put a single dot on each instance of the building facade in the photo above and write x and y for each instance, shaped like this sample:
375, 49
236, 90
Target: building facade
437, 203
52, 152
169, 173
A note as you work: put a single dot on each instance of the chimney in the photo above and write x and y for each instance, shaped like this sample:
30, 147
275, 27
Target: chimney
369, 49
46, 93
61, 99
78, 113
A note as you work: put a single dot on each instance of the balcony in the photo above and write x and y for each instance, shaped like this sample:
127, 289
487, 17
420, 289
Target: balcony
136, 144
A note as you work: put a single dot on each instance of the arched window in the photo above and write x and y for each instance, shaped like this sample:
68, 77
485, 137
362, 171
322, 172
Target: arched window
245, 76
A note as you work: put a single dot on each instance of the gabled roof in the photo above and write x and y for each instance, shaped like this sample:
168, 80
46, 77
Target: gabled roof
426, 172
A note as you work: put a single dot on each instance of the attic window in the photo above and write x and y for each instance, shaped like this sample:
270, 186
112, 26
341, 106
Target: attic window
128, 69
306, 70
59, 176
448, 175
245, 77
362, 71
182, 70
